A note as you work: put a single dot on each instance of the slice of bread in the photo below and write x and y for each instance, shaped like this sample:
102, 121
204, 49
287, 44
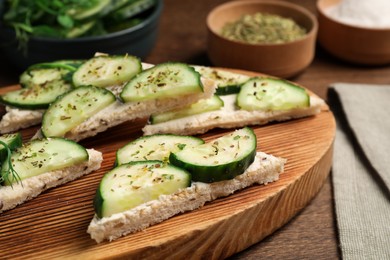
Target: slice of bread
266, 168
10, 197
229, 116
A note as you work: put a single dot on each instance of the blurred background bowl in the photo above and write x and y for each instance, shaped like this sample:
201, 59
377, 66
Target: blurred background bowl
137, 40
282, 60
354, 44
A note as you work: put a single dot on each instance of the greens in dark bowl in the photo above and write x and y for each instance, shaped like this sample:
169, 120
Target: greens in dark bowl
46, 30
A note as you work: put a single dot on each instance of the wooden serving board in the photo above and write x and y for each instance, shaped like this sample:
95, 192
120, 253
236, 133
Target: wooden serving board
54, 224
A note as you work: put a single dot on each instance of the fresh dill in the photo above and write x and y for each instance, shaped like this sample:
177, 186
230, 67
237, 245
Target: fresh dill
8, 172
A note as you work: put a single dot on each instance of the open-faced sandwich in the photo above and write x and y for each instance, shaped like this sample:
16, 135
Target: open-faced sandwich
239, 101
30, 168
159, 176
91, 108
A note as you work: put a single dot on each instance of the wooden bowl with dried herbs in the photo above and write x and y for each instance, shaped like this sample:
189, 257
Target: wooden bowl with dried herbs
272, 37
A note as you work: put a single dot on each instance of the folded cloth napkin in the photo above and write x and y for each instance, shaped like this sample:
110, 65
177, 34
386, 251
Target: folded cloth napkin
361, 169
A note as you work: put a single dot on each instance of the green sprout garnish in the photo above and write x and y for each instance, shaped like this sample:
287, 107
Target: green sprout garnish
9, 172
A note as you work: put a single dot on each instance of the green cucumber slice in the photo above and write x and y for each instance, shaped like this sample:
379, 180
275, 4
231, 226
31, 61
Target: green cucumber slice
221, 159
74, 107
69, 63
80, 14
132, 9
202, 106
66, 65
80, 29
13, 141
227, 82
104, 71
162, 81
37, 97
154, 147
42, 73
135, 183
271, 94
44, 155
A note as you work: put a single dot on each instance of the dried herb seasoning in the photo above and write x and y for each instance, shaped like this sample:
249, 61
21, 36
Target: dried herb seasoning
263, 28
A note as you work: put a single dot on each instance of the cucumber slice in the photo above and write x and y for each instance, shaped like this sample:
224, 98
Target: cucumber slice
44, 155
227, 82
66, 65
80, 29
154, 147
222, 159
135, 183
37, 97
202, 106
162, 81
74, 107
73, 63
271, 94
80, 14
104, 71
132, 9
42, 73
13, 141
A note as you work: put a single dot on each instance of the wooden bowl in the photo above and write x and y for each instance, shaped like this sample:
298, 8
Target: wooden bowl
354, 44
282, 60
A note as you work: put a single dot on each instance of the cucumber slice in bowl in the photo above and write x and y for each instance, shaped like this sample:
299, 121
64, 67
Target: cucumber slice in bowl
104, 71
271, 94
162, 81
13, 141
133, 8
43, 155
135, 183
154, 147
202, 106
221, 159
90, 11
73, 108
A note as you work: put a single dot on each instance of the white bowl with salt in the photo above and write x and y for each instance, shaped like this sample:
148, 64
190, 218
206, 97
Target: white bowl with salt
356, 31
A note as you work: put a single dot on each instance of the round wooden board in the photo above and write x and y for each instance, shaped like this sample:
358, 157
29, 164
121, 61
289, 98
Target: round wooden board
54, 224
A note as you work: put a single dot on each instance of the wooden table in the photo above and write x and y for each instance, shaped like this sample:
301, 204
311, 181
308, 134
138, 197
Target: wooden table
312, 233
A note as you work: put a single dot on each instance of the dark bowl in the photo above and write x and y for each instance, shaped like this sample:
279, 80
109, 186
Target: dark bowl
138, 40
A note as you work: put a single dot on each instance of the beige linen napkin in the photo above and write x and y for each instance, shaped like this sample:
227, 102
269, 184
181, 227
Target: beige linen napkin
361, 169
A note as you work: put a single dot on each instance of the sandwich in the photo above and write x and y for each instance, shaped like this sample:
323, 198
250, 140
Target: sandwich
239, 101
29, 169
159, 176
90, 108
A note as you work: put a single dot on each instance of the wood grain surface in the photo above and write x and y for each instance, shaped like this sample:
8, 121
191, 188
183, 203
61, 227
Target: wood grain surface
54, 224
312, 233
